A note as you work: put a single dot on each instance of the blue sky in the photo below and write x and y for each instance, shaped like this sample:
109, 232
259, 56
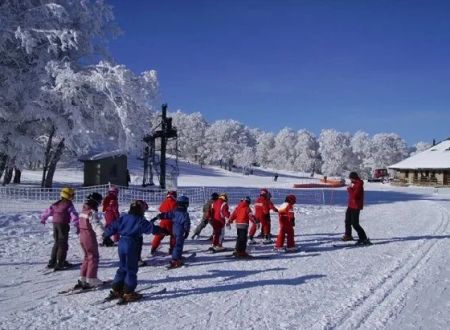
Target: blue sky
376, 66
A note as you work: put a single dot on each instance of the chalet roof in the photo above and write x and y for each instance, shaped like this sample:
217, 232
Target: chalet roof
436, 157
102, 155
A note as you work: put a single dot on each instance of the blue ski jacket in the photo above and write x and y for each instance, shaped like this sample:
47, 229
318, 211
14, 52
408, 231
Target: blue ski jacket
180, 219
131, 226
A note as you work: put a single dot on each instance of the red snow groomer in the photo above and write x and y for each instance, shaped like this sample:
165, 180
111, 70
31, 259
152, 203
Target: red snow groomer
379, 175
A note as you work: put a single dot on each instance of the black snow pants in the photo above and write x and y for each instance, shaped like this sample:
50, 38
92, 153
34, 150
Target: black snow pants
352, 219
61, 244
241, 241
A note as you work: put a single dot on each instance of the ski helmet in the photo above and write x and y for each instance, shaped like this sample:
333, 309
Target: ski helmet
136, 208
95, 197
142, 204
214, 196
67, 193
183, 201
93, 200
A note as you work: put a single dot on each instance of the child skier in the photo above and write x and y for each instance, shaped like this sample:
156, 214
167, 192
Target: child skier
220, 214
207, 215
287, 223
263, 205
111, 212
63, 212
90, 227
242, 214
181, 224
131, 227
167, 205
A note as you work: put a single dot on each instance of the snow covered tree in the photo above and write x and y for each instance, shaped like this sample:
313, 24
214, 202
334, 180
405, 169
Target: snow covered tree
306, 150
283, 153
35, 33
245, 159
224, 141
191, 130
335, 151
420, 146
361, 147
264, 146
387, 149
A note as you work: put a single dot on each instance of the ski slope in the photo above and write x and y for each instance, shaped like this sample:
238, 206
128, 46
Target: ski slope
400, 282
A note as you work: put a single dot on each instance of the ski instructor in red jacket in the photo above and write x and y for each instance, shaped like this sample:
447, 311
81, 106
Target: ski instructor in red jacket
355, 205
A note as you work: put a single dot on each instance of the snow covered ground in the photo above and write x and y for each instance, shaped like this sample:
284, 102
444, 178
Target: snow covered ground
401, 282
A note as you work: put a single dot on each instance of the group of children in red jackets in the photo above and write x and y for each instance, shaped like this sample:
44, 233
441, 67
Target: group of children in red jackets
127, 230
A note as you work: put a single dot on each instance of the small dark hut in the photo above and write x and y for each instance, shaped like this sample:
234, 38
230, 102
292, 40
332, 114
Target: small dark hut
104, 168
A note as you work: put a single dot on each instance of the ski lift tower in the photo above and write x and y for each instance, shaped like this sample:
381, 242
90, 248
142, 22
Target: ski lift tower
165, 133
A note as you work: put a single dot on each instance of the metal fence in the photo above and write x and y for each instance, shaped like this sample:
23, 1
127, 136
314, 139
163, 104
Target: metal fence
15, 199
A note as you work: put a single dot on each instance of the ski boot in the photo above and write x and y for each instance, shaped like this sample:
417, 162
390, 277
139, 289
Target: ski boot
92, 283
62, 266
114, 294
241, 254
218, 248
363, 242
81, 284
279, 249
251, 241
346, 238
129, 297
175, 264
267, 240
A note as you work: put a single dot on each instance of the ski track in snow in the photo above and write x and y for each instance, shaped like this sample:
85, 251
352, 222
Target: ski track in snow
384, 300
322, 288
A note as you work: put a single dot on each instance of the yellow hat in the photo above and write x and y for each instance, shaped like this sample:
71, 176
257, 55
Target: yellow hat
67, 193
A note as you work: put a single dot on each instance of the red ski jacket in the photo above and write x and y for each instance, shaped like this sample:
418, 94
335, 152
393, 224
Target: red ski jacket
168, 205
263, 206
356, 195
242, 214
220, 211
111, 207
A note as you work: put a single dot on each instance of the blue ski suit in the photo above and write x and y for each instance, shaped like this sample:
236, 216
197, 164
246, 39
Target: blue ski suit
131, 228
180, 228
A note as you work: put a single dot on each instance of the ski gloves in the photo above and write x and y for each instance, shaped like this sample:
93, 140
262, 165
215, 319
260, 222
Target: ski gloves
107, 242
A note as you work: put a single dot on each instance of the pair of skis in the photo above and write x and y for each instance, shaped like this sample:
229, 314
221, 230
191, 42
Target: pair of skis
156, 261
119, 301
47, 271
247, 257
352, 245
71, 291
